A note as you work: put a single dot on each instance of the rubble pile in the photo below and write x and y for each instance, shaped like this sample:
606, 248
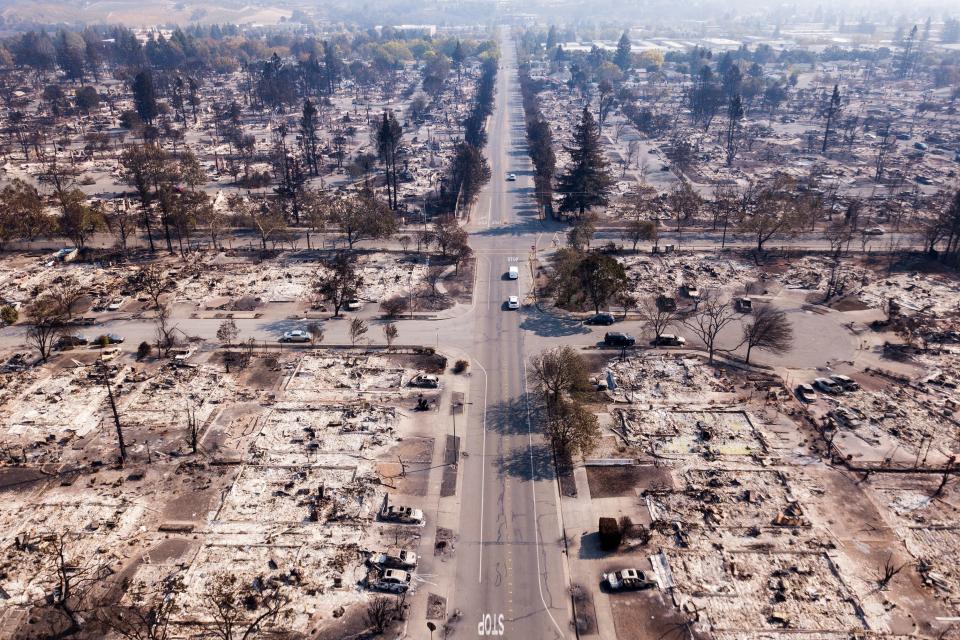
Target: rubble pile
813, 272
290, 279
686, 433
772, 590
902, 419
669, 379
666, 273
736, 499
933, 294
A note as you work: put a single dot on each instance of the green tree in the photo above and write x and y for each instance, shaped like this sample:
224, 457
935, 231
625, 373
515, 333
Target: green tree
340, 282
572, 428
586, 182
602, 277
623, 57
362, 216
468, 172
388, 137
556, 372
145, 96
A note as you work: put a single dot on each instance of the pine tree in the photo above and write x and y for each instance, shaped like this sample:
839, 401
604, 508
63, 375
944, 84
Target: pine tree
586, 182
309, 137
458, 59
551, 38
388, 141
622, 58
145, 96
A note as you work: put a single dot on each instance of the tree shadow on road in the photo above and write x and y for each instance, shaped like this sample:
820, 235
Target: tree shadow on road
509, 417
523, 461
546, 324
528, 463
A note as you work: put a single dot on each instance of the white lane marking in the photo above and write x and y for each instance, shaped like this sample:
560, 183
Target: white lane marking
483, 451
533, 492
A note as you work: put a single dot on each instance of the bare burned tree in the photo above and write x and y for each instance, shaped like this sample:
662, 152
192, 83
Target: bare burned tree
657, 315
358, 329
769, 330
227, 332
193, 428
710, 318
45, 319
240, 610
380, 612
166, 332
888, 572
390, 333
315, 329
944, 482
73, 581
839, 237
149, 612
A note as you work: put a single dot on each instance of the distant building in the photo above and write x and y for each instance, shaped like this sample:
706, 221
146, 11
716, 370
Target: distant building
421, 30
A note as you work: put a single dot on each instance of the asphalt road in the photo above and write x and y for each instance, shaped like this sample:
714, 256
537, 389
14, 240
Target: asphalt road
510, 579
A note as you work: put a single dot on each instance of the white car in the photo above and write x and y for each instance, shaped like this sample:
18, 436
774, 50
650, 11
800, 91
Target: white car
394, 581
394, 559
828, 386
874, 231
297, 335
511, 177
513, 302
627, 579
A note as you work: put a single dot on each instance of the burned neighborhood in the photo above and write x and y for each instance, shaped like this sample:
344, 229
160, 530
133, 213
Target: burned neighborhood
627, 321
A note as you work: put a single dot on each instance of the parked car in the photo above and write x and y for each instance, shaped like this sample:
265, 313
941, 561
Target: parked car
666, 303
114, 305
605, 319
109, 353
511, 177
828, 386
513, 302
806, 393
111, 338
743, 305
394, 559
425, 381
873, 231
353, 305
64, 342
401, 514
848, 383
627, 579
297, 335
847, 417
393, 580
668, 340
617, 339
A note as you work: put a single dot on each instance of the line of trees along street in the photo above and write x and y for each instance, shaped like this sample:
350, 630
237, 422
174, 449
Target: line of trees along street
469, 170
539, 142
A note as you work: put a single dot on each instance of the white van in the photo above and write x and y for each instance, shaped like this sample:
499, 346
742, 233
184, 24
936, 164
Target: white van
513, 273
